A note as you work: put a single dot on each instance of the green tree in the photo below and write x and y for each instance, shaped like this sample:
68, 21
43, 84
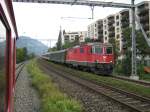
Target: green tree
21, 54
59, 42
142, 49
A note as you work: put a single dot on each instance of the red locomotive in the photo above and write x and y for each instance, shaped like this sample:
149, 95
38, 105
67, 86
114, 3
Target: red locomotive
96, 57
8, 34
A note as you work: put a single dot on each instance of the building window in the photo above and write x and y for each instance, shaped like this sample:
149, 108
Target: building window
104, 21
117, 24
118, 36
117, 17
3, 32
117, 29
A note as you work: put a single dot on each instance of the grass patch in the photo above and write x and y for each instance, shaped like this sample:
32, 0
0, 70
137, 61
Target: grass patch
145, 77
52, 100
125, 85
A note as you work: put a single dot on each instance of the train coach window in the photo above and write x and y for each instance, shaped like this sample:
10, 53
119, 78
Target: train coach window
98, 50
109, 50
2, 65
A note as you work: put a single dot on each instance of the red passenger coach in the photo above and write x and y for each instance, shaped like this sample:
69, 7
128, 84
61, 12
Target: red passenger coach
8, 34
96, 57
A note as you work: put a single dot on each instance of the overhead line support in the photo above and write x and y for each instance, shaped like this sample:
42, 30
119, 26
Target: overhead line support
80, 2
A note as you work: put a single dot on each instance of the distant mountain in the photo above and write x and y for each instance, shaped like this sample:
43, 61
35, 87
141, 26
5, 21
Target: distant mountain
32, 45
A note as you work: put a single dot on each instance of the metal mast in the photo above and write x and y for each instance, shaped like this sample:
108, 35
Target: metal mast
134, 67
80, 2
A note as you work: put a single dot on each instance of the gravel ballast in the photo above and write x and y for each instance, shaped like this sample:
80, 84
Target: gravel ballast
92, 102
26, 97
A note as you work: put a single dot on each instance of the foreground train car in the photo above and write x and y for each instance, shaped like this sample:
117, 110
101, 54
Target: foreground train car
96, 57
8, 34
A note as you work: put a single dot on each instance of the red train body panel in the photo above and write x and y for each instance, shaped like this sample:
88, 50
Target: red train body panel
86, 53
94, 56
8, 35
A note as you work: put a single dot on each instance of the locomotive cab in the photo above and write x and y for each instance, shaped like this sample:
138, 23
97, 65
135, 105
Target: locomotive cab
103, 58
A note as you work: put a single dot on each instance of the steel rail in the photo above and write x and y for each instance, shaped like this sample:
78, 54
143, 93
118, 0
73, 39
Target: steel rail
18, 70
116, 94
141, 82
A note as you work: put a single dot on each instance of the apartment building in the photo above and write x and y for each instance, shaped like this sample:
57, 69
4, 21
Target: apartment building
113, 25
95, 30
122, 21
72, 36
143, 12
108, 28
105, 30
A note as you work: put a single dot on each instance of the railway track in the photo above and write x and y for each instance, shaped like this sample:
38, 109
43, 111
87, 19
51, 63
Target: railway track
141, 82
19, 68
132, 101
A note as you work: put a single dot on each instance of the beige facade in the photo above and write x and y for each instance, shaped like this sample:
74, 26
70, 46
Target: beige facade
72, 36
95, 30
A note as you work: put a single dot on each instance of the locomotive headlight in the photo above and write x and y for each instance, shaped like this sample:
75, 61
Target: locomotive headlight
104, 57
110, 61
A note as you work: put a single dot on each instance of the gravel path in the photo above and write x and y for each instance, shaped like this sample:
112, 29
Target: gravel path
91, 101
26, 98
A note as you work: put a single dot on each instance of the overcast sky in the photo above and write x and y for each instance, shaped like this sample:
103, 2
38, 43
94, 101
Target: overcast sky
44, 20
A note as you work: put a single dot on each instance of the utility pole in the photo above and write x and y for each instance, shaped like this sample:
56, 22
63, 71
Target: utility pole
134, 67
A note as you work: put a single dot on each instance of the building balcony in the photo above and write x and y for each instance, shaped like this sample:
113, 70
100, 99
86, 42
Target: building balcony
143, 11
125, 25
143, 6
124, 18
144, 19
100, 32
146, 27
111, 22
111, 28
100, 27
124, 12
111, 34
111, 18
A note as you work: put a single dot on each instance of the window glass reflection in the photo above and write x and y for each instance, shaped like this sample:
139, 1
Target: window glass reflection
2, 65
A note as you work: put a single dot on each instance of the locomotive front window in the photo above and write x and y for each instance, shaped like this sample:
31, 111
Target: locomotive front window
2, 66
98, 50
109, 50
